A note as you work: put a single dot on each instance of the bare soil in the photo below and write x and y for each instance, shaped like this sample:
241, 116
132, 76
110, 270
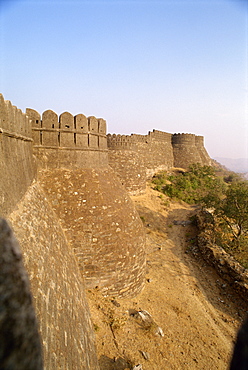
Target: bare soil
197, 311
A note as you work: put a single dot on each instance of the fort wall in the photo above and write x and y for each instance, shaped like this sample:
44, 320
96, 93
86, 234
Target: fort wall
186, 151
73, 217
68, 141
199, 142
127, 163
56, 284
155, 150
17, 164
89, 200
102, 227
136, 157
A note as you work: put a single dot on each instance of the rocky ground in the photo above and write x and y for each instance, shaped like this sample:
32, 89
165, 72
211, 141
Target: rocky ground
193, 314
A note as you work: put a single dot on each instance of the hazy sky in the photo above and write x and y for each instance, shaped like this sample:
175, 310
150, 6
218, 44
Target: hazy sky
176, 66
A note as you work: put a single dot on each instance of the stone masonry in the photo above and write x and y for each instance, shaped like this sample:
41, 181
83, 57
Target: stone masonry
94, 209
137, 157
20, 345
73, 217
57, 287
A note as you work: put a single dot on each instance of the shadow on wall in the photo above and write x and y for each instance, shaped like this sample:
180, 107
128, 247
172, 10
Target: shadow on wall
20, 345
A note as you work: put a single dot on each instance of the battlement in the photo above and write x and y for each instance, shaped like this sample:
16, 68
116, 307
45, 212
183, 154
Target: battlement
17, 166
120, 142
183, 139
67, 131
141, 138
13, 122
68, 141
117, 141
199, 140
77, 207
160, 136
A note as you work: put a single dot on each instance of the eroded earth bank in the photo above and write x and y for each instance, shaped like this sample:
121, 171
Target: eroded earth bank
197, 311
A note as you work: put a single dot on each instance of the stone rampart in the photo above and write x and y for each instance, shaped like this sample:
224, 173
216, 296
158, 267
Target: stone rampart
156, 151
137, 157
127, 163
73, 218
79, 170
17, 165
185, 150
101, 225
130, 169
206, 160
56, 284
150, 153
68, 141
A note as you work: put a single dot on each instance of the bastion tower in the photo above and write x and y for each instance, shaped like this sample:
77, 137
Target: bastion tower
96, 213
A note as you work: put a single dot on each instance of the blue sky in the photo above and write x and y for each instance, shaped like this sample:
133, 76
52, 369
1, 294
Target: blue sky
176, 66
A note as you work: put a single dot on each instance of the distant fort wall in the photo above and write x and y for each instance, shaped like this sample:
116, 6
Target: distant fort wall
205, 159
188, 149
155, 150
127, 163
137, 157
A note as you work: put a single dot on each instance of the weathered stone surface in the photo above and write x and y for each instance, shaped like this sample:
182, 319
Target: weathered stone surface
96, 214
130, 169
56, 284
20, 346
16, 158
188, 149
101, 225
157, 151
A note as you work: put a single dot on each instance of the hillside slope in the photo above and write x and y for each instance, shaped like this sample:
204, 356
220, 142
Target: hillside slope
197, 312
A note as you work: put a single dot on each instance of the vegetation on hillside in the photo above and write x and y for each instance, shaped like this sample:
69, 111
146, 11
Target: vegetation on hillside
224, 194
190, 186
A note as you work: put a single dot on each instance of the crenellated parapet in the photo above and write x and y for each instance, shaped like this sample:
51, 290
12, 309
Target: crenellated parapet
17, 166
183, 139
141, 138
68, 131
153, 153
74, 219
122, 142
75, 222
160, 136
13, 122
186, 150
68, 141
154, 135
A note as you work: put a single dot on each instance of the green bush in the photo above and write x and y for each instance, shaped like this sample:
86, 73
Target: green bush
190, 186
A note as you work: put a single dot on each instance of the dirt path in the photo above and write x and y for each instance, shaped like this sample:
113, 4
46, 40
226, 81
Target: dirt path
197, 311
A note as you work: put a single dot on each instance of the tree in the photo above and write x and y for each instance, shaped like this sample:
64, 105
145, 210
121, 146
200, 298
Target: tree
234, 209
